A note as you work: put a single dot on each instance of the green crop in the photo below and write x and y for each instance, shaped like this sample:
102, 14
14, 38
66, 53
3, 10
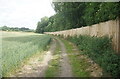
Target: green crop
17, 48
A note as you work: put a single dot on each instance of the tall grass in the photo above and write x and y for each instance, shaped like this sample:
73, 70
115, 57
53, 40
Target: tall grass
17, 49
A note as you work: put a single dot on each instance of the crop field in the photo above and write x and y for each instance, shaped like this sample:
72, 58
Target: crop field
16, 47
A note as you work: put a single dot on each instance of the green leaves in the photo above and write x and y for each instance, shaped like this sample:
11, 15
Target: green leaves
42, 24
77, 14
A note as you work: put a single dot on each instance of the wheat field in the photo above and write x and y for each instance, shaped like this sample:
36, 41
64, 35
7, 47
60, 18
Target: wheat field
17, 46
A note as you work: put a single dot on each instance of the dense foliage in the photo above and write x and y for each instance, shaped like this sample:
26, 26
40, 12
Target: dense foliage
41, 25
99, 49
16, 48
77, 14
6, 28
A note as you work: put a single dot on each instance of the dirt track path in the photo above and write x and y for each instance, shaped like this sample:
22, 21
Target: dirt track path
65, 67
37, 66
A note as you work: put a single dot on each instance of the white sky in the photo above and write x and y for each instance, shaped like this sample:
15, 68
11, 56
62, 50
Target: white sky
24, 13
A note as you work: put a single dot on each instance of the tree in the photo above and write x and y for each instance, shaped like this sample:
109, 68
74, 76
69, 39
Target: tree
42, 24
5, 28
71, 15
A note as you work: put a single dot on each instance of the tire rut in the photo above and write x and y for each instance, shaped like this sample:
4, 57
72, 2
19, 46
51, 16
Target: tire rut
65, 67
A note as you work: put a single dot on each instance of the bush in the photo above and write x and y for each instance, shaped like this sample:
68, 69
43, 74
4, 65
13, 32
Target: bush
99, 49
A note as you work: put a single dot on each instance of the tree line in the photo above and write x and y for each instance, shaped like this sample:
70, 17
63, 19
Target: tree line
71, 15
6, 28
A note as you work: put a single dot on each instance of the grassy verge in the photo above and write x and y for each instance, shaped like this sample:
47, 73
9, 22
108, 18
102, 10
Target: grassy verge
78, 65
99, 49
17, 49
53, 68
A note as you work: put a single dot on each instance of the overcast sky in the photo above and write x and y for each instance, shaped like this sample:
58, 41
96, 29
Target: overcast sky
24, 13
